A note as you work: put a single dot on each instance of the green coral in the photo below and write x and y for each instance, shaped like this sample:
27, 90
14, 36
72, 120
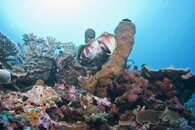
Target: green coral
73, 80
102, 116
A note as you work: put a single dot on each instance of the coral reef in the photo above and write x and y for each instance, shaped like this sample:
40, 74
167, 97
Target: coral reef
42, 95
132, 83
41, 53
8, 51
66, 106
113, 98
69, 69
38, 59
124, 34
171, 81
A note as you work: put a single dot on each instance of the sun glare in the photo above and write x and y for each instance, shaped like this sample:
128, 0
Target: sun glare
61, 6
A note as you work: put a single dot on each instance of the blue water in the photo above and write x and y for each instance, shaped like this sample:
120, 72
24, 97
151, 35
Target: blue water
165, 28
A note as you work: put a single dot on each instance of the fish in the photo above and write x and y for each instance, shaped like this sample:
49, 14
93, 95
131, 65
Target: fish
97, 51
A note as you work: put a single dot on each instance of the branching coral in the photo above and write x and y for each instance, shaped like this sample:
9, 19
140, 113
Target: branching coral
39, 53
69, 69
8, 50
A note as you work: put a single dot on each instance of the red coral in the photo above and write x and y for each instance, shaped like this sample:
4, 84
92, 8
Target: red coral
134, 84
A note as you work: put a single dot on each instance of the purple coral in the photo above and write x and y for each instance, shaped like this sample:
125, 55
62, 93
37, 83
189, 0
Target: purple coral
133, 83
65, 90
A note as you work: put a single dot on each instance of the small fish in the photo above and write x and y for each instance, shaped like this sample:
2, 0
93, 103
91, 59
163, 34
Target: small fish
97, 51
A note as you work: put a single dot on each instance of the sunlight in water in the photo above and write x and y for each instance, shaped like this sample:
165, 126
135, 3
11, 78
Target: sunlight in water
43, 13
66, 7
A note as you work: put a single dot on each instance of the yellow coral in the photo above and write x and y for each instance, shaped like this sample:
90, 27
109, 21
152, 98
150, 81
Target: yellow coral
33, 117
40, 82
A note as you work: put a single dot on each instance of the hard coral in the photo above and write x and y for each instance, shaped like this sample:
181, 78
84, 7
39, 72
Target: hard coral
34, 117
173, 119
149, 116
8, 50
40, 55
10, 99
171, 72
69, 69
40, 82
42, 95
69, 126
66, 91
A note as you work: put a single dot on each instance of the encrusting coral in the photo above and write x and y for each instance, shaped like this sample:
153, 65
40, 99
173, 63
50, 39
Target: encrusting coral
124, 34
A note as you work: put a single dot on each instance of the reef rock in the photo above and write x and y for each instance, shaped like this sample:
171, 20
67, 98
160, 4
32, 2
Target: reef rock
171, 72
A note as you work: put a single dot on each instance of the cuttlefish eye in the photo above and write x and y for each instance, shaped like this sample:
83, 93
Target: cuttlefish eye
103, 47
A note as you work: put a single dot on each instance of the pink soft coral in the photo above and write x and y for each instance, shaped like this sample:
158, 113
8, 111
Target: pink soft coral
133, 83
165, 85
